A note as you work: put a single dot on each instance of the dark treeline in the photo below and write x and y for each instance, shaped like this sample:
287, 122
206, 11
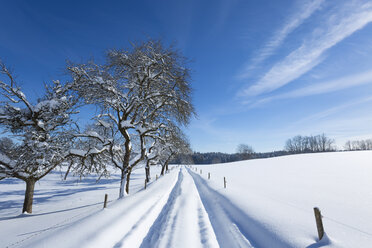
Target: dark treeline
219, 157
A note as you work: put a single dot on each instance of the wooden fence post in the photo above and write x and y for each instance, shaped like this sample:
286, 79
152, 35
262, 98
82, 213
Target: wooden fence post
224, 182
209, 175
145, 183
105, 202
156, 176
319, 223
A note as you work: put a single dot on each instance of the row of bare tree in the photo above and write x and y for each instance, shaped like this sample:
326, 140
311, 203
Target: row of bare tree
143, 95
358, 145
303, 144
321, 143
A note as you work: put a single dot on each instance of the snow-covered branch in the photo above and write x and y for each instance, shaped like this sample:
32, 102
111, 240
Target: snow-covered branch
140, 91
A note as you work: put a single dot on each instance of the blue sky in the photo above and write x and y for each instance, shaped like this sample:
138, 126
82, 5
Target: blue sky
263, 70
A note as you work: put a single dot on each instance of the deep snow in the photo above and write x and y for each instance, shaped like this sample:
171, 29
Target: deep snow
57, 203
267, 203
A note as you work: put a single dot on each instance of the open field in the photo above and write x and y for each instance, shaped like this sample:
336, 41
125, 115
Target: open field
267, 203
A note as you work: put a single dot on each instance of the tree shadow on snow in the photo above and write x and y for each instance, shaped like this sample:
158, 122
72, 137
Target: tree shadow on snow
51, 212
10, 181
41, 196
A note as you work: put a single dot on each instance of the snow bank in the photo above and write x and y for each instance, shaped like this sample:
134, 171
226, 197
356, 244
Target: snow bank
279, 194
117, 225
57, 204
267, 203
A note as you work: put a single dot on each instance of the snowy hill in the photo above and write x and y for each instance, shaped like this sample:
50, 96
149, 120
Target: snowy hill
267, 203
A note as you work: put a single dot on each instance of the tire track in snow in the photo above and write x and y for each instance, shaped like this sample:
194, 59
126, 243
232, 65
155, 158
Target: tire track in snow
135, 226
227, 232
205, 227
183, 221
164, 219
232, 226
124, 223
144, 222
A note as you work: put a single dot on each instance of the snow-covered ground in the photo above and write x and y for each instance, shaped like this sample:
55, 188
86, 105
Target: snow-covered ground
267, 203
57, 203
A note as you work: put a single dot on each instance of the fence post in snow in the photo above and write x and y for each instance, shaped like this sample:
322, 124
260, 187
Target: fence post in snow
319, 223
156, 176
200, 172
224, 182
209, 175
145, 183
105, 202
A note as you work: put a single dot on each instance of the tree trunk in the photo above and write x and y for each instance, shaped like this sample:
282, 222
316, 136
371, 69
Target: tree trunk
68, 171
129, 172
147, 169
124, 172
162, 170
123, 181
166, 166
29, 195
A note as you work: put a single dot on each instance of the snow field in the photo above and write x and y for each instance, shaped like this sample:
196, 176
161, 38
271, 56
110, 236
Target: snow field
277, 196
57, 204
121, 225
267, 203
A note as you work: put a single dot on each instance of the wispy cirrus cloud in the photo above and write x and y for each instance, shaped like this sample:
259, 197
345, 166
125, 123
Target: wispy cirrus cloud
350, 18
331, 111
323, 87
303, 12
334, 122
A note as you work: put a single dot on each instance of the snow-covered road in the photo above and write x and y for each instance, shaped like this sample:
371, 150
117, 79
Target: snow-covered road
179, 210
183, 221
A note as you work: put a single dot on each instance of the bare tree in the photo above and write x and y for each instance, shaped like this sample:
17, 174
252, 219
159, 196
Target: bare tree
7, 148
41, 129
326, 143
138, 91
173, 144
369, 144
348, 146
356, 145
289, 146
245, 151
91, 151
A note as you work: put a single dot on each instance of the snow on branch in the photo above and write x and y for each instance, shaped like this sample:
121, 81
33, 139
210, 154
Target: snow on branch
42, 129
140, 92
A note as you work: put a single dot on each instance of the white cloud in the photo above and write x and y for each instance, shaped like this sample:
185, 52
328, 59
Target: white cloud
323, 87
341, 122
331, 111
302, 13
339, 26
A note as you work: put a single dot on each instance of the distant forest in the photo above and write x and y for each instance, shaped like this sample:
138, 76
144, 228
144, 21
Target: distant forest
296, 145
219, 157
